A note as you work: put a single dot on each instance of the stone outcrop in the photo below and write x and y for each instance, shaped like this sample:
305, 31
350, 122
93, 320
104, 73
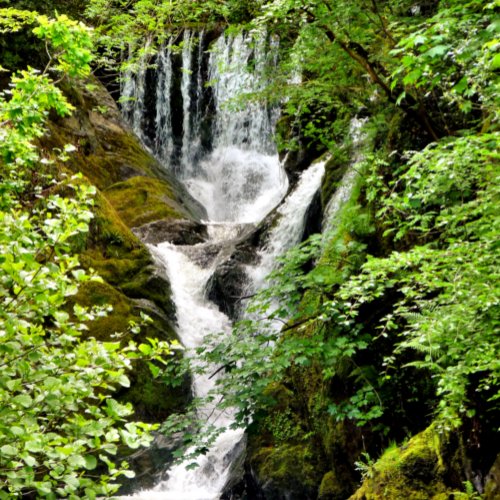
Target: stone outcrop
134, 190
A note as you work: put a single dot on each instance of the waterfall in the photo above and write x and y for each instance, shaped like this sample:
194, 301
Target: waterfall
187, 61
344, 190
243, 169
237, 63
290, 226
164, 144
189, 269
133, 90
239, 182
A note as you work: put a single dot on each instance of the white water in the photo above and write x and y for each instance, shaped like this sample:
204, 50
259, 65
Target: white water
132, 92
239, 185
189, 269
187, 62
236, 64
239, 182
346, 185
241, 179
164, 144
288, 231
197, 317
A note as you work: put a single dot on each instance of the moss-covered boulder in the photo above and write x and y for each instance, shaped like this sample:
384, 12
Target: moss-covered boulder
287, 471
427, 467
332, 487
140, 200
492, 486
133, 189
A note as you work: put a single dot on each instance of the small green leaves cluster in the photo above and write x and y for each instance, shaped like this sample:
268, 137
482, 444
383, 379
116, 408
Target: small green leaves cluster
448, 286
456, 53
60, 429
71, 45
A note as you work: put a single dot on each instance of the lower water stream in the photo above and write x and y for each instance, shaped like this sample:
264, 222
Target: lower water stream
189, 269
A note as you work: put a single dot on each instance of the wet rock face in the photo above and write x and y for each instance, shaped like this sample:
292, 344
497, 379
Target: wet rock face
228, 288
297, 161
492, 486
246, 489
314, 216
228, 285
149, 464
179, 232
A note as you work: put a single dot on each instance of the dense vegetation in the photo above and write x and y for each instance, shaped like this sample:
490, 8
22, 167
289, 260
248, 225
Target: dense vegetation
57, 416
391, 317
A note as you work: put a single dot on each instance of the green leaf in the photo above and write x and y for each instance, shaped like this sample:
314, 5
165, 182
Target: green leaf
495, 62
8, 450
438, 51
23, 400
123, 380
90, 462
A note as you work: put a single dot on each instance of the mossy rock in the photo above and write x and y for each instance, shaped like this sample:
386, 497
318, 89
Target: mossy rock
98, 293
415, 470
140, 200
123, 261
109, 231
335, 169
333, 488
287, 471
152, 399
492, 486
107, 151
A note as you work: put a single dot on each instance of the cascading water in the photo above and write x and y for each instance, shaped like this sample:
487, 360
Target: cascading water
237, 64
238, 182
289, 229
344, 190
164, 144
132, 91
189, 270
241, 179
187, 61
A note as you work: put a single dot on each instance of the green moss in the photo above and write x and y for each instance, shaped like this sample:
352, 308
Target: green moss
140, 200
331, 487
109, 231
106, 151
415, 470
94, 293
117, 271
122, 260
335, 168
492, 486
288, 468
152, 399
